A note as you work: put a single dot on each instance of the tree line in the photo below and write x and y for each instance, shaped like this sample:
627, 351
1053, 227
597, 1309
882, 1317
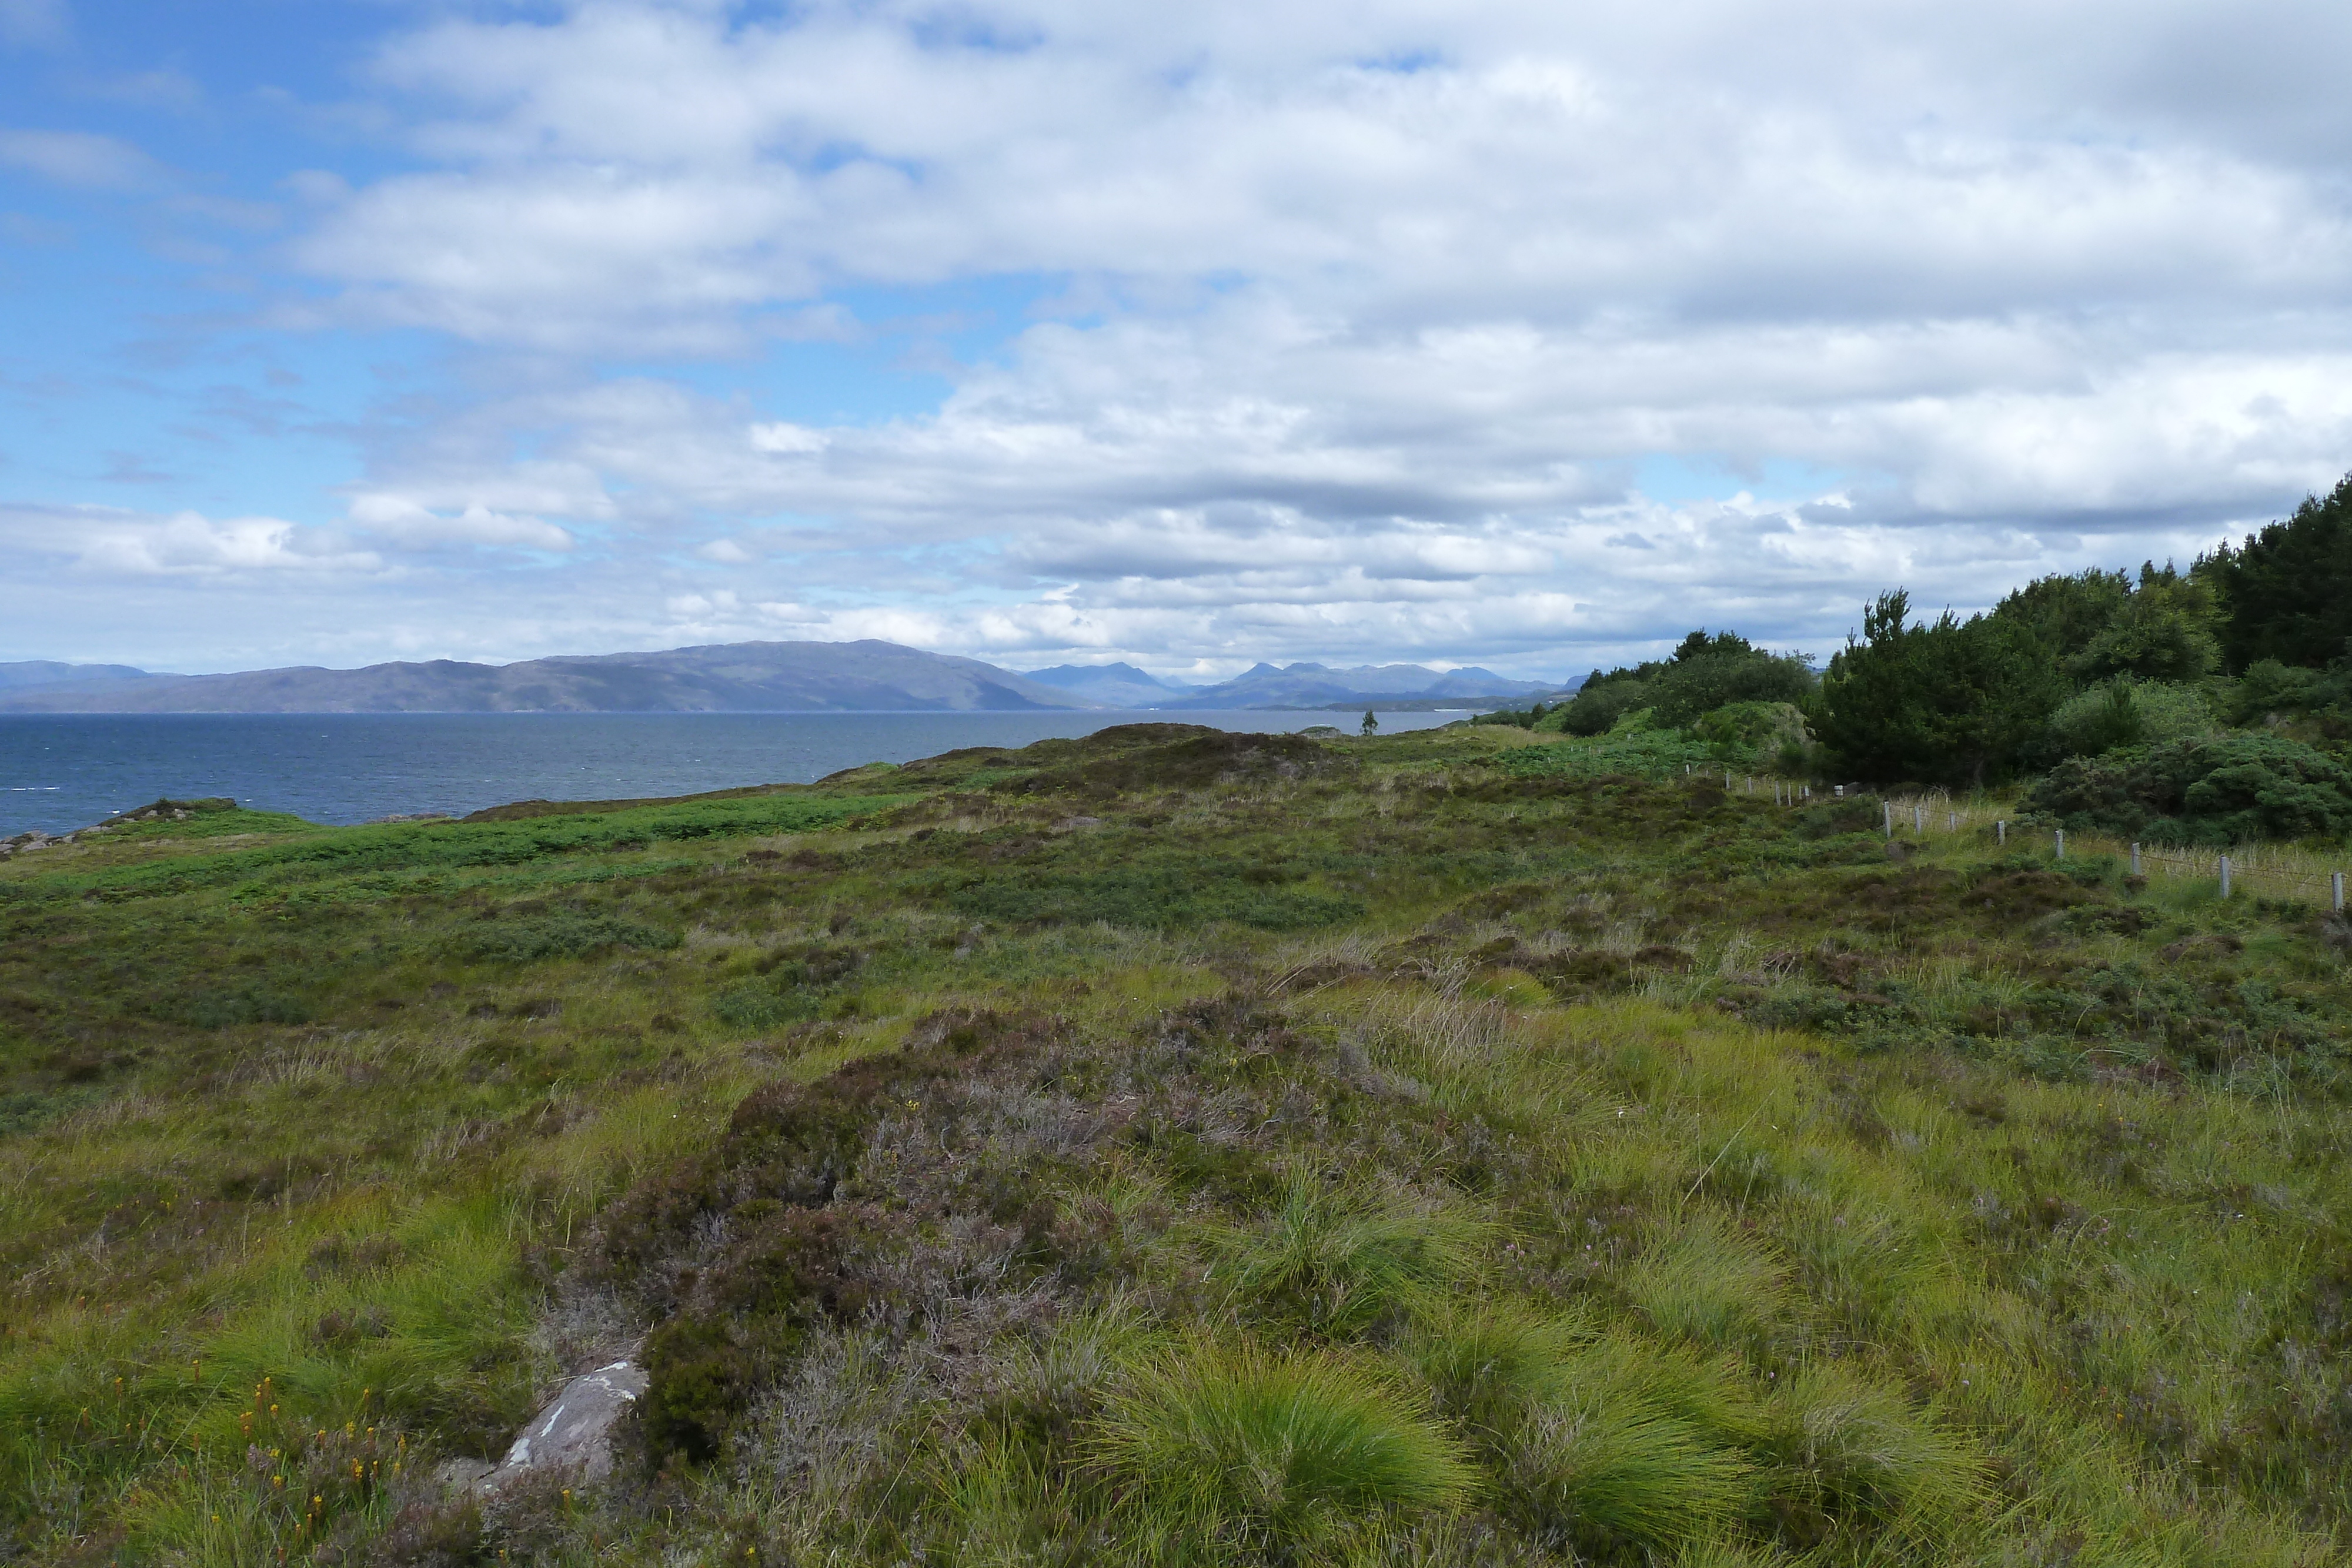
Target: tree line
2193, 704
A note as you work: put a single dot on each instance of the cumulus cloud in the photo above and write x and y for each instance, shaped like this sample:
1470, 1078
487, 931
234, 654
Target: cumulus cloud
405, 523
1359, 330
108, 541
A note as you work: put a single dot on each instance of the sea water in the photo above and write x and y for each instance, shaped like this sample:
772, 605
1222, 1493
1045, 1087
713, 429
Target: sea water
63, 771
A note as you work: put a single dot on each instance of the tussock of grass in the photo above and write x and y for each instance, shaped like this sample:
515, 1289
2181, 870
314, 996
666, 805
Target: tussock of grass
1845, 1443
1338, 1258
1603, 1473
1228, 1443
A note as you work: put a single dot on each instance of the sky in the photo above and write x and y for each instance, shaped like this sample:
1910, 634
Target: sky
1517, 334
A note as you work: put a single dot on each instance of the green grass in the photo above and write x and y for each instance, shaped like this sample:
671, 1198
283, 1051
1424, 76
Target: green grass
1225, 1447
1413, 1149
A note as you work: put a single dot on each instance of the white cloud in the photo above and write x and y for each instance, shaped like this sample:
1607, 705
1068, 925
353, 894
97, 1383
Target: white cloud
109, 541
1363, 326
407, 524
80, 158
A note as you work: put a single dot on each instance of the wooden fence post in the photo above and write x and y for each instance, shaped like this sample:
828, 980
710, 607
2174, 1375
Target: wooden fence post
1918, 819
2225, 876
2335, 890
1889, 805
2000, 832
2061, 843
2134, 859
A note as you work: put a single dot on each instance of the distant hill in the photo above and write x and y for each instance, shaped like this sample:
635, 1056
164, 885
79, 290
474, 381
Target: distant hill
734, 677
30, 673
1316, 686
1112, 685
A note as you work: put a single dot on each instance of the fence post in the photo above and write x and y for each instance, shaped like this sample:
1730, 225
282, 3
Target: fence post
2335, 890
2000, 832
1951, 821
2225, 876
1889, 805
2134, 859
1918, 819
2061, 843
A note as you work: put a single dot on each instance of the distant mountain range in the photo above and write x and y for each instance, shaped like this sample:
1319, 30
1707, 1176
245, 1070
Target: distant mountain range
1111, 685
734, 677
32, 673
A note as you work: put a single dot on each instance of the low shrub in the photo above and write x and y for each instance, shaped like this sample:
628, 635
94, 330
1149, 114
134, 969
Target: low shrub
2218, 792
1596, 709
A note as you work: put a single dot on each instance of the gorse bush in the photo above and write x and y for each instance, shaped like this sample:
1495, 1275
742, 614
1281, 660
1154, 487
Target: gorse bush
2218, 792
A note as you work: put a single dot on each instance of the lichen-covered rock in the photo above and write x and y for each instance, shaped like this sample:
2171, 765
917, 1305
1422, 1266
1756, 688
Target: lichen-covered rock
574, 1431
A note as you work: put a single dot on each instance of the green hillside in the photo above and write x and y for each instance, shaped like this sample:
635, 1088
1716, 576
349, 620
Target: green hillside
1482, 1145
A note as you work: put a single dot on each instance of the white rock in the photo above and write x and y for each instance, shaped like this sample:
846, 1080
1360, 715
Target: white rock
574, 1432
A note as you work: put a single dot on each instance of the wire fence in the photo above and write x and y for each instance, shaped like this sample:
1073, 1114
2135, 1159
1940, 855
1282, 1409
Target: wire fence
2279, 870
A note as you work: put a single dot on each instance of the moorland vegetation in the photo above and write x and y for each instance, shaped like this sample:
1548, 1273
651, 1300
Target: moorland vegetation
1482, 1145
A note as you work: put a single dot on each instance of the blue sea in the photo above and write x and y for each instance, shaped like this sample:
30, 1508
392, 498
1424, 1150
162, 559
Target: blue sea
63, 771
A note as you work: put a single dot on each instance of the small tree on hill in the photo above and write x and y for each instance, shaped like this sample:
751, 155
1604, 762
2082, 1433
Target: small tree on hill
1371, 725
1946, 699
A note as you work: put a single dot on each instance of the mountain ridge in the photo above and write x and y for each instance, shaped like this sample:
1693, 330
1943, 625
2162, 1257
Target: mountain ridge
867, 675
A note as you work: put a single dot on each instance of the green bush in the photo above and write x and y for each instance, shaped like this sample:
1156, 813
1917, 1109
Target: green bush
1597, 708
1758, 725
2219, 791
2123, 713
1699, 683
1231, 1444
